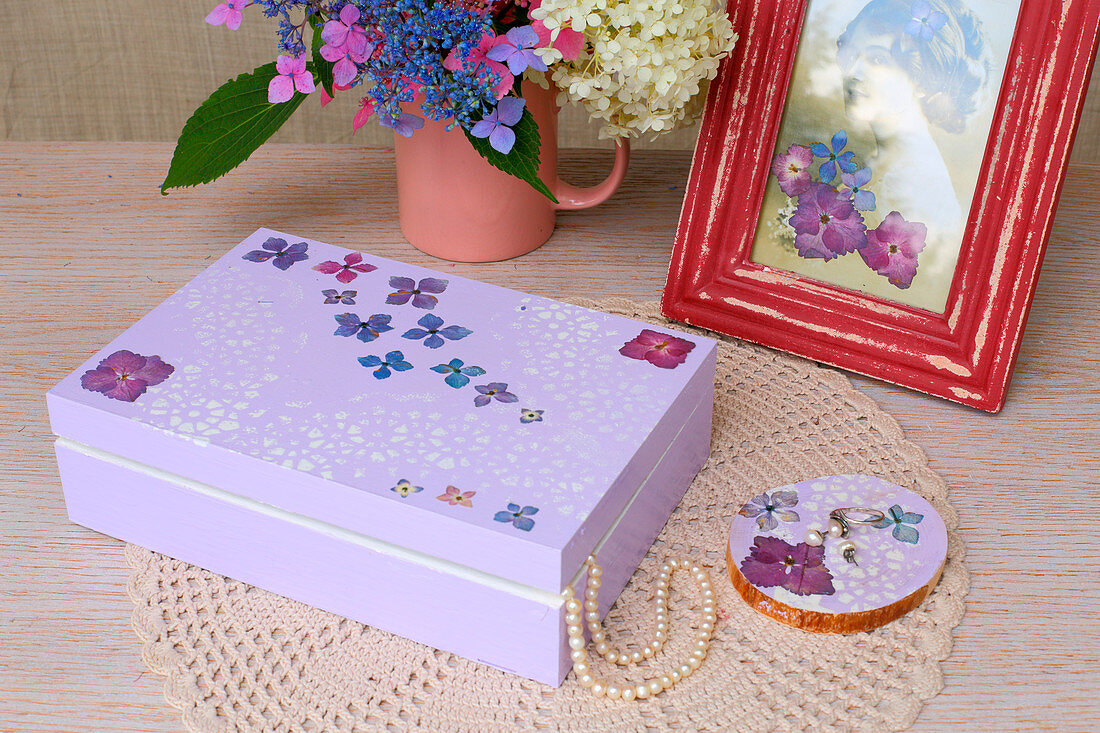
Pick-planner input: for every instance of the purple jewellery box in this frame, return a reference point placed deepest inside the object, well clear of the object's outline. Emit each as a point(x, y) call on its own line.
point(423, 453)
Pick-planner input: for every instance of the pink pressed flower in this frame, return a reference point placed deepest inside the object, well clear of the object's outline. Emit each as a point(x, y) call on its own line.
point(345, 273)
point(344, 34)
point(292, 75)
point(454, 497)
point(792, 170)
point(826, 224)
point(366, 109)
point(892, 248)
point(659, 349)
point(477, 59)
point(229, 13)
point(125, 375)
point(345, 69)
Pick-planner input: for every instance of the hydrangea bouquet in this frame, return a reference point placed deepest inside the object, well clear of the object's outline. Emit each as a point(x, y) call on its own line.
point(635, 64)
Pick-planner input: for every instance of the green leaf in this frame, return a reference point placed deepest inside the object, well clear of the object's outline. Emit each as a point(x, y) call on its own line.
point(523, 159)
point(227, 128)
point(324, 68)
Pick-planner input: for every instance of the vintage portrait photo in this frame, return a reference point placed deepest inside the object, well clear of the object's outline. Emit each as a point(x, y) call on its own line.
point(882, 139)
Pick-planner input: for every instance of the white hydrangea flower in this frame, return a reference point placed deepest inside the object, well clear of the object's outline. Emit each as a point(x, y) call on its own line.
point(644, 62)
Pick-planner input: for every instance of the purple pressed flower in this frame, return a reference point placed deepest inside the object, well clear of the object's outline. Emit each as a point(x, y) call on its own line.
point(434, 333)
point(394, 360)
point(520, 517)
point(766, 507)
point(833, 157)
point(529, 416)
point(125, 375)
point(421, 294)
point(852, 185)
point(284, 255)
point(351, 268)
point(799, 568)
point(924, 21)
point(826, 224)
point(331, 296)
point(516, 48)
point(404, 487)
point(368, 330)
point(497, 124)
point(792, 169)
point(900, 521)
point(405, 124)
point(659, 349)
point(892, 249)
point(493, 390)
point(458, 374)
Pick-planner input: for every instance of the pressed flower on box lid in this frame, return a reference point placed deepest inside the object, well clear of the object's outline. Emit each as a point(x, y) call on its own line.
point(125, 375)
point(661, 350)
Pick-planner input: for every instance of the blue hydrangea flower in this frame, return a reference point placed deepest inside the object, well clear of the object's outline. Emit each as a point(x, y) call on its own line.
point(924, 21)
point(517, 50)
point(458, 375)
point(422, 293)
point(497, 125)
point(834, 157)
point(766, 507)
point(281, 254)
point(519, 517)
point(528, 416)
point(405, 487)
point(853, 184)
point(901, 522)
point(493, 391)
point(345, 298)
point(435, 334)
point(395, 360)
point(368, 330)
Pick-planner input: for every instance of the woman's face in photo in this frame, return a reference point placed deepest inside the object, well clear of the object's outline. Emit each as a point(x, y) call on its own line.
point(876, 90)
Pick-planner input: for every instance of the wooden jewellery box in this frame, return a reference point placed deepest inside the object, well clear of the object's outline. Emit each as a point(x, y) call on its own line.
point(423, 453)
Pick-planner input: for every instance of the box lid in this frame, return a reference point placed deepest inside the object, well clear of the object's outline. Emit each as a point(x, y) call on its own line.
point(502, 431)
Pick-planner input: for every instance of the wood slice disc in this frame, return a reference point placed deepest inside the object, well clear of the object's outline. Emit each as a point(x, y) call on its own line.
point(898, 559)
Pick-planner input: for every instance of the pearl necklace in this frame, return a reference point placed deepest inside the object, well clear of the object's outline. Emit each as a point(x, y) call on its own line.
point(654, 686)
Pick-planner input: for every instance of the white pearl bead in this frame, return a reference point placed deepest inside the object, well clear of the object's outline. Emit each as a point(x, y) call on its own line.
point(577, 655)
point(694, 663)
point(655, 687)
point(591, 616)
point(674, 675)
point(835, 528)
point(572, 606)
point(576, 642)
point(636, 657)
point(572, 618)
point(703, 636)
point(597, 633)
point(591, 559)
point(660, 635)
point(699, 654)
point(706, 626)
point(594, 583)
point(663, 575)
point(623, 659)
point(666, 681)
point(673, 563)
point(614, 692)
point(814, 538)
point(599, 688)
point(701, 645)
point(586, 680)
point(591, 605)
point(595, 571)
point(629, 693)
point(580, 668)
point(603, 647)
point(648, 652)
point(686, 669)
point(592, 594)
point(705, 585)
point(642, 691)
point(574, 630)
point(657, 645)
point(612, 657)
point(710, 617)
point(568, 592)
point(695, 570)
point(661, 593)
point(662, 626)
point(707, 594)
point(666, 568)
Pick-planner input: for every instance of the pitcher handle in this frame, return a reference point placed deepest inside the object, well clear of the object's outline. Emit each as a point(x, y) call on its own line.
point(570, 197)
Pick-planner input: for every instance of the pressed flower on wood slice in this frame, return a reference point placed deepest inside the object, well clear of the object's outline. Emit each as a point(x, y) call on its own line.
point(799, 568)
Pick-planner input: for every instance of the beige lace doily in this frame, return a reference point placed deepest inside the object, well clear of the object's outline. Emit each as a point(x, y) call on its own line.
point(240, 658)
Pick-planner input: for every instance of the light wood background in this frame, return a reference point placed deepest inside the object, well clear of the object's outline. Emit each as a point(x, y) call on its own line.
point(88, 246)
point(136, 69)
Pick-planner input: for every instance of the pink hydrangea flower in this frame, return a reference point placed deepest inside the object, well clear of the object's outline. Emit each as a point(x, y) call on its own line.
point(569, 42)
point(476, 59)
point(125, 375)
point(366, 109)
point(454, 497)
point(345, 273)
point(345, 34)
point(799, 568)
point(826, 224)
point(228, 13)
point(792, 170)
point(292, 75)
point(659, 349)
point(516, 48)
point(892, 248)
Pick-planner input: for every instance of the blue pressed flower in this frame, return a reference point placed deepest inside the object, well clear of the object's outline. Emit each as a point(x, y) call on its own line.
point(528, 416)
point(853, 183)
point(434, 333)
point(458, 374)
point(520, 518)
point(834, 157)
point(924, 21)
point(281, 254)
point(405, 487)
point(901, 522)
point(368, 330)
point(493, 391)
point(766, 507)
point(345, 298)
point(422, 293)
point(394, 360)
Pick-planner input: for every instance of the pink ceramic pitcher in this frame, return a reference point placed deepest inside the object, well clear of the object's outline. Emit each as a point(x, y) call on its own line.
point(456, 206)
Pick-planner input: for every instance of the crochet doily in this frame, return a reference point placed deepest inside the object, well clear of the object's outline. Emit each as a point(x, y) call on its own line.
point(239, 658)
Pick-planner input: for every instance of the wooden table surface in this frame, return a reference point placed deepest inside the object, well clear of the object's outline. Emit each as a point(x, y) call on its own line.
point(88, 246)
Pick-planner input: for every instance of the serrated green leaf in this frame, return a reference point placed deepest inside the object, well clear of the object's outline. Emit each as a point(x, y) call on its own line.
point(324, 68)
point(522, 161)
point(227, 128)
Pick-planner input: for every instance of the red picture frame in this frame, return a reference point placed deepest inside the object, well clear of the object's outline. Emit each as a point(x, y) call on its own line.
point(964, 354)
